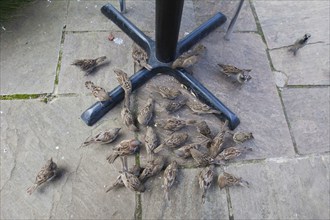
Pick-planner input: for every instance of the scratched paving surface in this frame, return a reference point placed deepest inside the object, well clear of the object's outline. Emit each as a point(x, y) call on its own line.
point(285, 105)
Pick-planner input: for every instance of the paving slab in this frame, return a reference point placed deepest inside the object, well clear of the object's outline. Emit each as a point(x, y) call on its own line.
point(185, 199)
point(30, 46)
point(282, 27)
point(92, 45)
point(31, 133)
point(86, 16)
point(311, 65)
point(245, 21)
point(308, 111)
point(256, 103)
point(280, 188)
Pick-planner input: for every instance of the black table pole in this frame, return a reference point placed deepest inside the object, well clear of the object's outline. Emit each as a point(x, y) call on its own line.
point(162, 53)
point(168, 19)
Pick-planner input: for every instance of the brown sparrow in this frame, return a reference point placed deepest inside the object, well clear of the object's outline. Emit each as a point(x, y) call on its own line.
point(131, 181)
point(140, 57)
point(240, 137)
point(146, 113)
point(218, 141)
point(153, 167)
point(169, 177)
point(175, 140)
point(98, 92)
point(166, 92)
point(173, 124)
point(242, 75)
point(127, 117)
point(174, 105)
point(200, 108)
point(300, 43)
point(184, 151)
point(190, 57)
point(47, 172)
point(205, 179)
point(88, 65)
point(228, 179)
point(103, 137)
point(204, 129)
point(231, 153)
point(203, 159)
point(126, 147)
point(124, 82)
point(135, 170)
point(151, 140)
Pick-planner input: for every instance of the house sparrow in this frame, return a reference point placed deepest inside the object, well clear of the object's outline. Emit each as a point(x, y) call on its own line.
point(175, 140)
point(151, 140)
point(146, 113)
point(166, 92)
point(190, 57)
point(300, 43)
point(135, 170)
point(88, 65)
point(47, 172)
point(228, 179)
point(240, 137)
point(202, 158)
point(184, 151)
point(218, 141)
point(126, 147)
point(204, 129)
point(173, 124)
point(205, 179)
point(169, 177)
point(98, 92)
point(140, 57)
point(242, 75)
point(187, 62)
point(103, 137)
point(127, 118)
point(200, 108)
point(152, 168)
point(231, 153)
point(174, 105)
point(124, 81)
point(131, 181)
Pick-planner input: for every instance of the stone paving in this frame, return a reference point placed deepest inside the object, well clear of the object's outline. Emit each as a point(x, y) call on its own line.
point(285, 105)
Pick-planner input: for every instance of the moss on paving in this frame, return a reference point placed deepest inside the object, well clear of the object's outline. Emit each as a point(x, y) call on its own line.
point(19, 96)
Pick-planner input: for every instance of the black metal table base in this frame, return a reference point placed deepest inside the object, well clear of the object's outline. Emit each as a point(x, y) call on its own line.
point(162, 53)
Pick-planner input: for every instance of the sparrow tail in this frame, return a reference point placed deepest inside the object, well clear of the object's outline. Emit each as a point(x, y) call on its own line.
point(31, 189)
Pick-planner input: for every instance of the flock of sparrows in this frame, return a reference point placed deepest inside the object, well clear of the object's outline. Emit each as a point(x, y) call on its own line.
point(208, 153)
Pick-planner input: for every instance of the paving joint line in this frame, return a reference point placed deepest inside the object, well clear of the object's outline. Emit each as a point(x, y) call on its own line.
point(306, 86)
point(259, 28)
point(59, 62)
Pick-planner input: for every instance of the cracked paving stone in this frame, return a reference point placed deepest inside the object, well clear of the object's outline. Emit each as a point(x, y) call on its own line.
point(30, 47)
point(308, 111)
point(32, 132)
point(283, 22)
point(205, 9)
point(185, 199)
point(293, 188)
point(311, 65)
